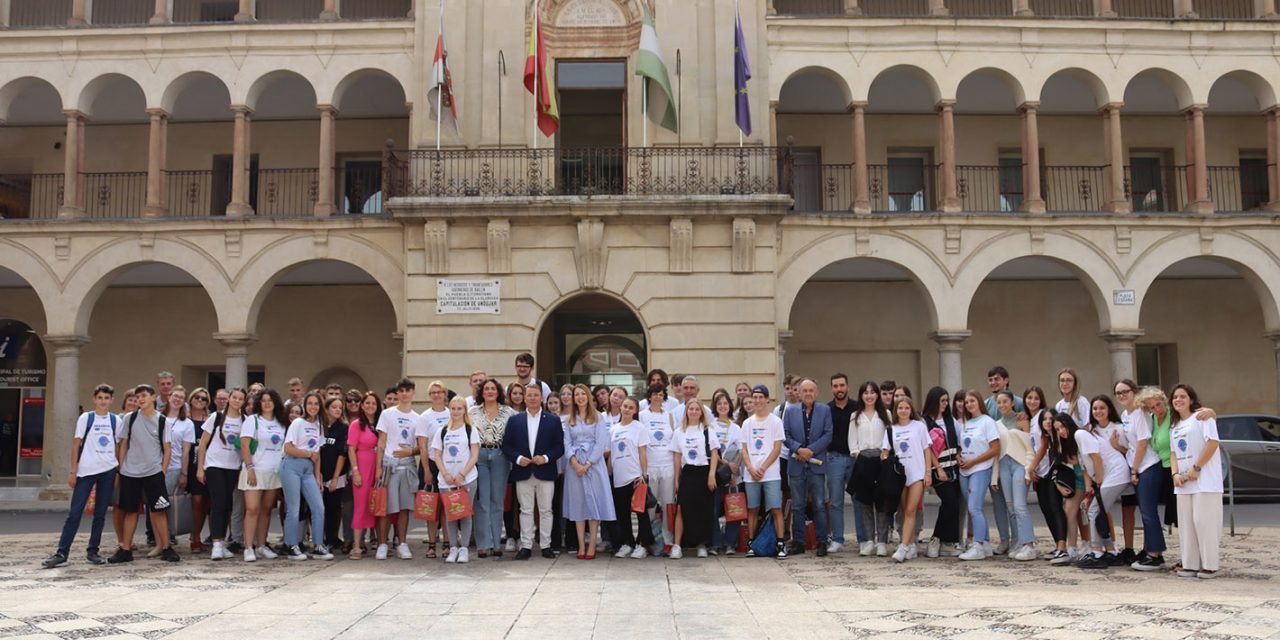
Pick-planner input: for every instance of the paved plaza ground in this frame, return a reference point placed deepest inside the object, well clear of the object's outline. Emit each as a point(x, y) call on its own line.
point(841, 596)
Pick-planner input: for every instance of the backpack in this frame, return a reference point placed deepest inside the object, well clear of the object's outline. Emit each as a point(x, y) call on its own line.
point(766, 543)
point(133, 417)
point(89, 424)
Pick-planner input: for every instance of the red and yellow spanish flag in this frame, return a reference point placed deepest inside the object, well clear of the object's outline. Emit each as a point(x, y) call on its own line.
point(538, 80)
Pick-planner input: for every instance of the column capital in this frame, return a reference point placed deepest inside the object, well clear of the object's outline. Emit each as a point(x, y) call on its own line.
point(158, 112)
point(856, 105)
point(1111, 106)
point(75, 114)
point(233, 341)
point(1274, 337)
point(1029, 105)
point(327, 108)
point(1196, 109)
point(66, 344)
point(945, 104)
point(240, 109)
point(1120, 338)
point(950, 340)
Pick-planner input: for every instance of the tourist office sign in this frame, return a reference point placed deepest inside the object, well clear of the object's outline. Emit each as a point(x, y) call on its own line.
point(22, 358)
point(469, 296)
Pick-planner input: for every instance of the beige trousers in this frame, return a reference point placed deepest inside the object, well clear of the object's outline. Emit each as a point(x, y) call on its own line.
point(1200, 529)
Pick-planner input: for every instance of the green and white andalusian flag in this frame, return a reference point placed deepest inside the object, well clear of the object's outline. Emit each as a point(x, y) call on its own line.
point(662, 104)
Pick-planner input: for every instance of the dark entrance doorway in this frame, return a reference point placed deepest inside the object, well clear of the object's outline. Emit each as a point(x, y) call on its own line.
point(593, 339)
point(23, 376)
point(593, 106)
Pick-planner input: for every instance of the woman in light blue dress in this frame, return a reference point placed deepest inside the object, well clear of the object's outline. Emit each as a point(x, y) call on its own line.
point(588, 497)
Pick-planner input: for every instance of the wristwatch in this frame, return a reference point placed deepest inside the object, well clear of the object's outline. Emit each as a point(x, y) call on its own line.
point(1197, 468)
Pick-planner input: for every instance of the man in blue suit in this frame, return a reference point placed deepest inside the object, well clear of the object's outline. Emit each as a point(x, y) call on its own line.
point(533, 442)
point(807, 427)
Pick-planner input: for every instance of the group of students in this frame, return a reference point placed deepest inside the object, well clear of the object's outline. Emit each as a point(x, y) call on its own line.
point(593, 456)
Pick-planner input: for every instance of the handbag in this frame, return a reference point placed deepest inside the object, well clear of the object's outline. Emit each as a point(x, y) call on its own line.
point(735, 506)
point(92, 502)
point(457, 504)
point(639, 497)
point(724, 475)
point(425, 505)
point(180, 515)
point(766, 543)
point(378, 502)
point(1064, 480)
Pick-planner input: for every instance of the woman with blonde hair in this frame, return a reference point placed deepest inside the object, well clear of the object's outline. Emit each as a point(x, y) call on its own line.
point(588, 498)
point(455, 449)
point(696, 452)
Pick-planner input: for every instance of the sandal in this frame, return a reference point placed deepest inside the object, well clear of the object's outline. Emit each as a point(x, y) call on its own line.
point(356, 553)
point(483, 553)
point(431, 550)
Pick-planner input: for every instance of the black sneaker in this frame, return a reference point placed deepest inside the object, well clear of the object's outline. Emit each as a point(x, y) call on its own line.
point(782, 550)
point(54, 561)
point(234, 547)
point(796, 549)
point(294, 552)
point(93, 558)
point(120, 556)
point(1148, 563)
point(1092, 561)
point(821, 551)
point(151, 541)
point(1127, 557)
point(169, 555)
point(1113, 560)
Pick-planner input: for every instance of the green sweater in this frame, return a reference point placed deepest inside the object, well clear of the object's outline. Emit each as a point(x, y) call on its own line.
point(1160, 437)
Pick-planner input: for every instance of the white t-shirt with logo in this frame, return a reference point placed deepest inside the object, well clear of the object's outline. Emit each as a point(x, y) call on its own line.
point(99, 453)
point(1137, 426)
point(401, 428)
point(1089, 444)
point(223, 450)
point(975, 440)
point(304, 435)
point(454, 450)
point(269, 436)
point(1187, 441)
point(661, 434)
point(624, 451)
point(432, 422)
point(757, 438)
point(693, 445)
point(1037, 435)
point(909, 443)
point(178, 432)
point(1115, 469)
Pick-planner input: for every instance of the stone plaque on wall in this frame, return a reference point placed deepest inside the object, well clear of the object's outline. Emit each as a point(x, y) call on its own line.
point(591, 13)
point(468, 296)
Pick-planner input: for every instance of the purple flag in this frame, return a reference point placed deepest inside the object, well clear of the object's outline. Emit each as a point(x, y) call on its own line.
point(741, 74)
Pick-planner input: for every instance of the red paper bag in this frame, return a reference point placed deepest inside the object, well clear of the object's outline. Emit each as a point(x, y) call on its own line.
point(810, 536)
point(744, 539)
point(639, 496)
point(508, 501)
point(457, 504)
point(735, 506)
point(425, 504)
point(378, 502)
point(93, 501)
point(671, 518)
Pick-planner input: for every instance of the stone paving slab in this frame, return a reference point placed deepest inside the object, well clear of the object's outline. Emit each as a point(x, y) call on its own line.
point(804, 597)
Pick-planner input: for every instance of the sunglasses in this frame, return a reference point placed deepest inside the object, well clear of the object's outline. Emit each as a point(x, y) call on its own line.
point(199, 398)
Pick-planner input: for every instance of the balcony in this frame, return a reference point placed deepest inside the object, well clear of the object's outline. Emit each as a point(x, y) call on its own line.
point(1132, 9)
point(116, 13)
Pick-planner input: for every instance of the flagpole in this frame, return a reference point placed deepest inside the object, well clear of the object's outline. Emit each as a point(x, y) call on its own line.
point(737, 16)
point(644, 99)
point(438, 80)
point(537, 62)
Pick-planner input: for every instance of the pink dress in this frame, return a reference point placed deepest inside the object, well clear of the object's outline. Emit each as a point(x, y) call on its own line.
point(365, 441)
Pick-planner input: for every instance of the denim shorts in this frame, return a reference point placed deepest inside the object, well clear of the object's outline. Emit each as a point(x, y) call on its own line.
point(772, 490)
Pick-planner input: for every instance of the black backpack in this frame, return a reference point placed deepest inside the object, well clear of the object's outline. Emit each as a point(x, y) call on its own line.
point(133, 417)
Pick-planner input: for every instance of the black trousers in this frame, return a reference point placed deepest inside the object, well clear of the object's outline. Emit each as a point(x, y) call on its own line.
point(622, 534)
point(332, 518)
point(947, 527)
point(1051, 506)
point(222, 489)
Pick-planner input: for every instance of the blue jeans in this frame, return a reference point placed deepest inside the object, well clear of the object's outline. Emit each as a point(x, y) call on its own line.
point(297, 476)
point(839, 469)
point(975, 492)
point(1001, 509)
point(805, 486)
point(1150, 488)
point(105, 483)
point(491, 491)
point(1013, 484)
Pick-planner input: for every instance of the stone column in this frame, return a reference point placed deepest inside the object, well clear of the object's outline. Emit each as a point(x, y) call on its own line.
point(330, 10)
point(783, 338)
point(950, 369)
point(1023, 8)
point(946, 113)
point(1267, 10)
point(248, 11)
point(770, 9)
point(1273, 177)
point(1120, 343)
point(79, 13)
point(325, 198)
point(1189, 152)
point(62, 412)
point(235, 347)
point(1185, 9)
point(1115, 158)
point(938, 8)
point(240, 164)
point(157, 196)
point(851, 8)
point(1032, 202)
point(1105, 10)
point(773, 123)
point(73, 167)
point(1275, 342)
point(861, 179)
point(161, 15)
point(1200, 203)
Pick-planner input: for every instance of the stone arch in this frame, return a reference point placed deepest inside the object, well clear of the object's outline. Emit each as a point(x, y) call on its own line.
point(261, 272)
point(1012, 83)
point(1182, 93)
point(1258, 266)
point(174, 89)
point(265, 80)
point(37, 274)
point(337, 96)
point(348, 378)
point(88, 94)
point(1101, 92)
point(16, 87)
point(899, 250)
point(835, 82)
point(1095, 270)
point(926, 77)
point(1262, 89)
point(92, 275)
point(549, 311)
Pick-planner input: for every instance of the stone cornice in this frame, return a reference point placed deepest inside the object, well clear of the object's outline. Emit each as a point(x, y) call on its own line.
point(551, 207)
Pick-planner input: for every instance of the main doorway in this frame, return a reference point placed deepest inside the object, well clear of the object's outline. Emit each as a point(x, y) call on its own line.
point(593, 339)
point(23, 375)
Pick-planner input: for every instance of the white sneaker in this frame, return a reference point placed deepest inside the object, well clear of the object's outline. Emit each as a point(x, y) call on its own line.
point(900, 554)
point(452, 557)
point(867, 548)
point(934, 549)
point(702, 551)
point(218, 549)
point(954, 550)
point(834, 547)
point(987, 550)
point(1025, 553)
point(403, 552)
point(249, 555)
point(623, 551)
point(463, 556)
point(639, 552)
point(266, 553)
point(676, 553)
point(894, 537)
point(1002, 548)
point(382, 552)
point(882, 549)
point(511, 545)
point(974, 553)
point(913, 551)
point(321, 552)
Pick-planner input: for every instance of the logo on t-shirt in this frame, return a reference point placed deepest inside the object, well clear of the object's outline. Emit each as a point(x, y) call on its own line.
point(657, 435)
point(693, 454)
point(904, 446)
point(404, 434)
point(275, 438)
point(967, 441)
point(759, 444)
point(453, 451)
point(103, 441)
point(1182, 445)
point(622, 446)
point(312, 442)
